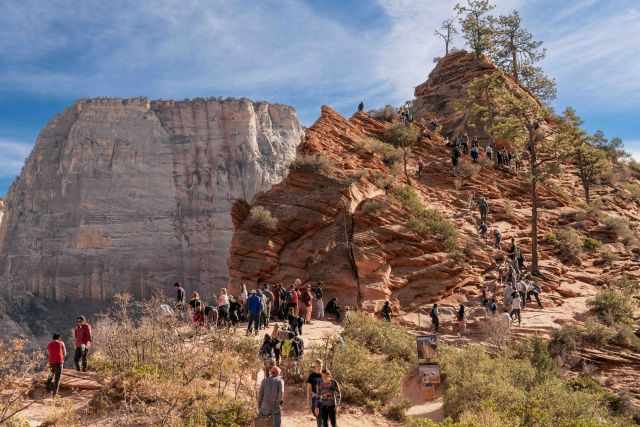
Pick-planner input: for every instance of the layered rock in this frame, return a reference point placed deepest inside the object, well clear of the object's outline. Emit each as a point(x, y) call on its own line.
point(132, 195)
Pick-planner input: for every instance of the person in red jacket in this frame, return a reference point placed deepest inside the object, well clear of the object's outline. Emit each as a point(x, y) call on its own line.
point(82, 333)
point(57, 352)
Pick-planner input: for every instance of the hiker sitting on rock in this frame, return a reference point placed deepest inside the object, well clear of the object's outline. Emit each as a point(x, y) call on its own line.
point(334, 309)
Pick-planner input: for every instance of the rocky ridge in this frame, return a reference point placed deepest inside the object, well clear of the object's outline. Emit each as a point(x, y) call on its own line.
point(131, 194)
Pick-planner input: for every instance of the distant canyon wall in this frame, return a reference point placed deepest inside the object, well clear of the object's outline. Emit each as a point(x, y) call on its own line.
point(132, 195)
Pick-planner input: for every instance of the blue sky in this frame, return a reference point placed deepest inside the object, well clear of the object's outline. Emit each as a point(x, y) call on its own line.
point(304, 53)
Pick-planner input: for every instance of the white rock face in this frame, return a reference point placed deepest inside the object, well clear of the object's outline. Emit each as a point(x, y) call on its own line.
point(132, 195)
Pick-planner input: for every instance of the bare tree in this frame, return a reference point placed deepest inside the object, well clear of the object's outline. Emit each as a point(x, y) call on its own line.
point(446, 32)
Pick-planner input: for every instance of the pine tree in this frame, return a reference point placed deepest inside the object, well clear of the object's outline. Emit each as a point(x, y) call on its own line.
point(446, 32)
point(614, 148)
point(590, 160)
point(475, 24)
point(515, 51)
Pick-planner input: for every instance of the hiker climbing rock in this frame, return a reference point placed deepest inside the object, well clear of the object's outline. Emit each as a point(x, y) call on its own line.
point(435, 318)
point(483, 206)
point(271, 397)
point(82, 335)
point(483, 230)
point(497, 235)
point(461, 318)
point(534, 289)
point(386, 311)
point(56, 353)
point(361, 107)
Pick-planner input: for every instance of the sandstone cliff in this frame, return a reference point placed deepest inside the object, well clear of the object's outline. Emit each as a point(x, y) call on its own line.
point(342, 225)
point(131, 195)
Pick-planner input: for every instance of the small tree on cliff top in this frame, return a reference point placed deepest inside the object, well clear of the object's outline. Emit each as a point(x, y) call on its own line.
point(446, 32)
point(476, 25)
point(403, 137)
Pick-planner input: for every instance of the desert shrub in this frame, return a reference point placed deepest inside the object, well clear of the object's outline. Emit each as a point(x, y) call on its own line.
point(380, 337)
point(626, 337)
point(633, 188)
point(62, 415)
point(317, 163)
point(372, 206)
point(428, 222)
point(550, 237)
point(397, 410)
point(152, 357)
point(564, 341)
point(16, 367)
point(569, 244)
point(387, 152)
point(468, 169)
point(620, 227)
point(384, 182)
point(597, 333)
point(590, 244)
point(261, 217)
point(612, 306)
point(507, 390)
point(608, 257)
point(508, 209)
point(362, 378)
point(387, 114)
point(17, 421)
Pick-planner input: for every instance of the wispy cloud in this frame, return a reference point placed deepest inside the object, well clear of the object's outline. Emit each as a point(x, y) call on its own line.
point(12, 156)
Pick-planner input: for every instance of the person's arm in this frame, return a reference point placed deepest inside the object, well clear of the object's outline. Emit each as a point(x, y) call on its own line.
point(280, 399)
point(261, 394)
point(338, 394)
point(89, 335)
point(64, 351)
point(308, 391)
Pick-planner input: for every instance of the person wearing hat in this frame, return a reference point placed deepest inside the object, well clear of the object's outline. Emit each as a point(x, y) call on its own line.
point(82, 334)
point(271, 396)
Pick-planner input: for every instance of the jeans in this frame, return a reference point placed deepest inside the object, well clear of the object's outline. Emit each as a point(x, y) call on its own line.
point(81, 356)
point(328, 413)
point(53, 381)
point(314, 405)
point(254, 319)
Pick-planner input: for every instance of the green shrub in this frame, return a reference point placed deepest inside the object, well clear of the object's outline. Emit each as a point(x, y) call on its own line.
point(596, 333)
point(590, 244)
point(317, 163)
point(626, 337)
point(608, 257)
point(620, 227)
point(612, 306)
point(427, 222)
point(372, 206)
point(564, 341)
point(381, 337)
point(261, 217)
point(397, 410)
point(633, 188)
point(363, 379)
point(550, 237)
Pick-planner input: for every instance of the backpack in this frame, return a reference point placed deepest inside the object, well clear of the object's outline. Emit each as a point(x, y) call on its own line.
point(287, 347)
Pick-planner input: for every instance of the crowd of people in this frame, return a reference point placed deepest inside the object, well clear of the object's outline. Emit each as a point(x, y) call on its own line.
point(462, 145)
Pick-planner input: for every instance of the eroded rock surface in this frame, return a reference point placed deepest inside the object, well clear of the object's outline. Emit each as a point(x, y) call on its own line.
point(131, 194)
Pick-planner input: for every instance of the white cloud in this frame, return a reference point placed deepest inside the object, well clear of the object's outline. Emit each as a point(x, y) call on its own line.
point(12, 156)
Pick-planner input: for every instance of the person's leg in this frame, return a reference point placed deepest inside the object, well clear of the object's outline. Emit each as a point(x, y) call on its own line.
point(249, 323)
point(324, 414)
point(57, 371)
point(277, 420)
point(76, 358)
point(538, 299)
point(50, 378)
point(332, 415)
point(85, 354)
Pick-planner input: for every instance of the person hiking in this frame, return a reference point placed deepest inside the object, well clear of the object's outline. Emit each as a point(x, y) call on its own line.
point(521, 287)
point(82, 335)
point(194, 302)
point(361, 107)
point(533, 289)
point(329, 398)
point(420, 169)
point(198, 316)
point(306, 300)
point(333, 308)
point(295, 322)
point(234, 311)
point(489, 151)
point(483, 207)
point(268, 353)
point(313, 380)
point(386, 311)
point(455, 156)
point(267, 299)
point(294, 299)
point(211, 316)
point(223, 300)
point(180, 295)
point(497, 235)
point(435, 317)
point(513, 249)
point(460, 317)
point(254, 304)
point(474, 154)
point(242, 299)
point(493, 307)
point(56, 353)
point(271, 397)
point(483, 230)
point(515, 306)
point(319, 303)
point(275, 308)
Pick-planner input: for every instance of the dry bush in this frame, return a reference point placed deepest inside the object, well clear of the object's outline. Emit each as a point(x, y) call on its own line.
point(171, 373)
point(380, 337)
point(310, 163)
point(508, 209)
point(569, 244)
point(468, 169)
point(590, 244)
point(597, 333)
point(389, 154)
point(260, 217)
point(633, 190)
point(621, 228)
point(63, 415)
point(387, 114)
point(372, 206)
point(612, 306)
point(608, 257)
point(16, 368)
